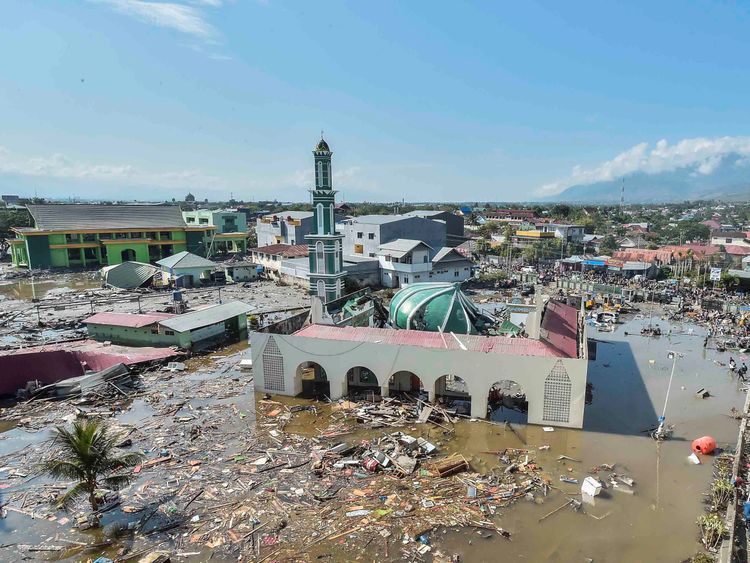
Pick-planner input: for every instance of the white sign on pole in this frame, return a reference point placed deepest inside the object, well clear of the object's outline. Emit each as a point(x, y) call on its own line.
point(715, 274)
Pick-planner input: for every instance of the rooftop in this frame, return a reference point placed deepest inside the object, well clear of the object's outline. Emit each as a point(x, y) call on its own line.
point(129, 320)
point(486, 344)
point(400, 247)
point(208, 316)
point(185, 259)
point(62, 217)
point(285, 250)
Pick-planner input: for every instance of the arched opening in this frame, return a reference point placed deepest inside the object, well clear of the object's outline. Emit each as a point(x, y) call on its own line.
point(506, 402)
point(361, 383)
point(320, 258)
point(315, 383)
point(337, 256)
point(406, 383)
point(128, 255)
point(452, 391)
point(321, 289)
point(321, 219)
point(319, 174)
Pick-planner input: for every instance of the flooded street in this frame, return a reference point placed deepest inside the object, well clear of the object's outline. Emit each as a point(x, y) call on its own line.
point(629, 377)
point(657, 523)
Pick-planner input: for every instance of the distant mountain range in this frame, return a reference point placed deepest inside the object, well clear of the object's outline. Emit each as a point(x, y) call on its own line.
point(730, 181)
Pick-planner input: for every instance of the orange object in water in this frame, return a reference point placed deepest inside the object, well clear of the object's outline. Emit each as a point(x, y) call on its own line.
point(704, 445)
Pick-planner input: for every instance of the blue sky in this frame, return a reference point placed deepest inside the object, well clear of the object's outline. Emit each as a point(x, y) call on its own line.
point(419, 100)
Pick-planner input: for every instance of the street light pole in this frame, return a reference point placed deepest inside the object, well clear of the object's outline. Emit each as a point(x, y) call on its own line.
point(661, 432)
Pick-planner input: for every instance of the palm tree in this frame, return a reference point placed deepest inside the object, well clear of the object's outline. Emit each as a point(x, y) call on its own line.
point(87, 456)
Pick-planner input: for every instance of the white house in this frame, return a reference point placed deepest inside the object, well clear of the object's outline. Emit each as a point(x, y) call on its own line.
point(404, 261)
point(450, 265)
point(192, 268)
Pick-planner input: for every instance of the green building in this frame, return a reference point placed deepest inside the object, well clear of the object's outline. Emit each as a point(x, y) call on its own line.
point(72, 235)
point(231, 228)
point(215, 324)
point(324, 243)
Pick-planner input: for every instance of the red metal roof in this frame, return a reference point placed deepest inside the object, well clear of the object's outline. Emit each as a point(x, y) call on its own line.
point(560, 327)
point(130, 320)
point(285, 250)
point(737, 250)
point(422, 339)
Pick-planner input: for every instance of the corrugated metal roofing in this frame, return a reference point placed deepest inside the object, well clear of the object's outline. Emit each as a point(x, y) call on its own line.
point(130, 320)
point(400, 247)
point(102, 217)
point(128, 275)
point(185, 259)
point(286, 250)
point(448, 254)
point(560, 327)
point(487, 344)
point(208, 316)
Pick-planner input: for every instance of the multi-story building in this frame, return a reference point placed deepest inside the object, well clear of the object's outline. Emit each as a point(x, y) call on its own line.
point(71, 236)
point(511, 215)
point(287, 227)
point(404, 261)
point(364, 235)
point(568, 233)
point(454, 224)
point(230, 234)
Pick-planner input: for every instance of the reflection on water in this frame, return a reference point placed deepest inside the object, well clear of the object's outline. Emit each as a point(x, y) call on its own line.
point(28, 289)
point(630, 376)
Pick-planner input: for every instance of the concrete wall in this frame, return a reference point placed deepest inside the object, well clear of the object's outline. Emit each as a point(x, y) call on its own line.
point(431, 232)
point(282, 354)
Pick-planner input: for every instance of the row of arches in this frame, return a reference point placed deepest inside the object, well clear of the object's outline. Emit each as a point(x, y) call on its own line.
point(506, 399)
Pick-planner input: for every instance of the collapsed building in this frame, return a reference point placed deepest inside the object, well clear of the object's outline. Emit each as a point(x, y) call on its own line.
point(446, 349)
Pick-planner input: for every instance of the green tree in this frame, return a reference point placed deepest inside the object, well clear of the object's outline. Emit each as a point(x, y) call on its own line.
point(609, 245)
point(87, 455)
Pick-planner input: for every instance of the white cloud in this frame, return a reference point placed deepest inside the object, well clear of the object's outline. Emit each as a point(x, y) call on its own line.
point(60, 166)
point(701, 155)
point(184, 18)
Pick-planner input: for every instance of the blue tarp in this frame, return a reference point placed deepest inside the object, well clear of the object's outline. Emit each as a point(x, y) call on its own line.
point(594, 262)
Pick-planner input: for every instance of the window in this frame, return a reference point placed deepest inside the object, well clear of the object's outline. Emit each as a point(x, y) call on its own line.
point(426, 259)
point(203, 221)
point(165, 235)
point(121, 235)
point(321, 289)
point(71, 238)
point(406, 279)
point(371, 236)
point(455, 273)
point(320, 258)
point(359, 249)
point(337, 256)
point(359, 235)
point(105, 236)
point(319, 174)
point(151, 235)
point(136, 235)
point(169, 332)
point(89, 237)
point(371, 255)
point(319, 213)
point(190, 219)
point(74, 254)
point(728, 240)
point(416, 277)
point(90, 253)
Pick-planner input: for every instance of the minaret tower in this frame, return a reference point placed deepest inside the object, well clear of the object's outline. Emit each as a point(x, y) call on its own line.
point(324, 243)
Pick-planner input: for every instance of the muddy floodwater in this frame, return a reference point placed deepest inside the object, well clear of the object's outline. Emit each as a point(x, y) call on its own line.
point(657, 523)
point(27, 289)
point(629, 377)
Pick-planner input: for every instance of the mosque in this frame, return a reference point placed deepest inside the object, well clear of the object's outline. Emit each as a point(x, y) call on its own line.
point(435, 341)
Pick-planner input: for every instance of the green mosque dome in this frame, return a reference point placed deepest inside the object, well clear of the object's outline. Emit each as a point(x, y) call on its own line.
point(436, 307)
